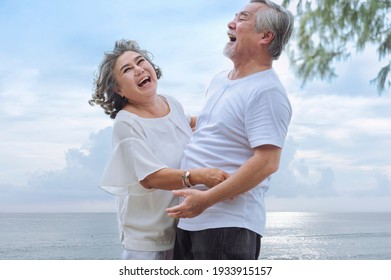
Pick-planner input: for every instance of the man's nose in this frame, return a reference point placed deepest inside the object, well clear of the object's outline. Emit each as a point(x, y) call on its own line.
point(232, 24)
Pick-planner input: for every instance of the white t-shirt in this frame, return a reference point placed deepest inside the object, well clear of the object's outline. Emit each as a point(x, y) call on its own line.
point(142, 146)
point(239, 115)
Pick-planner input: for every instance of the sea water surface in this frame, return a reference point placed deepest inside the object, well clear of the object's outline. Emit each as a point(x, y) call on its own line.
point(288, 236)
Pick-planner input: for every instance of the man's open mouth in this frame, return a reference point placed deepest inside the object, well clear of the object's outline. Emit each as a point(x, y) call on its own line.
point(232, 38)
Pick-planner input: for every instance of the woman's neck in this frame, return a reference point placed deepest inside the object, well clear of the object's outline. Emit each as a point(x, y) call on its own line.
point(156, 108)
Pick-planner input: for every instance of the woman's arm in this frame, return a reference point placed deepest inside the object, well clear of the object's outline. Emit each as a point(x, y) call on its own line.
point(171, 179)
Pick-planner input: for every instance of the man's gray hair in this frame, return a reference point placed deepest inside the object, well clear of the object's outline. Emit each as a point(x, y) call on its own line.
point(277, 20)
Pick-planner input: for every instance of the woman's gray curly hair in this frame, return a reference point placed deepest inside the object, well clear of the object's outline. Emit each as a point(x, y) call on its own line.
point(105, 85)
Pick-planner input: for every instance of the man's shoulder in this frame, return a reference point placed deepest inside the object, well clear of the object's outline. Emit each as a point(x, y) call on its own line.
point(223, 75)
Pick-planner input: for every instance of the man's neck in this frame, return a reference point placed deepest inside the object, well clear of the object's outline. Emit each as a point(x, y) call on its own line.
point(241, 72)
point(242, 69)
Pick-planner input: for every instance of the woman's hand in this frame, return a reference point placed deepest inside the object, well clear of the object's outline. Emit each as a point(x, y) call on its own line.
point(209, 177)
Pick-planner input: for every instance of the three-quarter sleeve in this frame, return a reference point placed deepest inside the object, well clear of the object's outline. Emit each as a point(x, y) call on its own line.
point(131, 161)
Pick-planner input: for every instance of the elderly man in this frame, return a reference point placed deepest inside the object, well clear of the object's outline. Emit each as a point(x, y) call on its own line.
point(241, 130)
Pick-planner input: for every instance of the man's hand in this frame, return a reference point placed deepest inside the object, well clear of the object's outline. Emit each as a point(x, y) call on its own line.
point(195, 203)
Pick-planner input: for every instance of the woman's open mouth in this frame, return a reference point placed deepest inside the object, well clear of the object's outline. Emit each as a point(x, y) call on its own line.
point(144, 81)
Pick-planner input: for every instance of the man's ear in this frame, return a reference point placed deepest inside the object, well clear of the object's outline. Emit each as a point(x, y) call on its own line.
point(266, 37)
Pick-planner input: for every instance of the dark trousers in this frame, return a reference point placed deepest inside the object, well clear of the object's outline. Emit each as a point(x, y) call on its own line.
point(217, 244)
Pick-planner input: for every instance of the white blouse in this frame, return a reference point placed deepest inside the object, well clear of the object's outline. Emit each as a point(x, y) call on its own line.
point(142, 146)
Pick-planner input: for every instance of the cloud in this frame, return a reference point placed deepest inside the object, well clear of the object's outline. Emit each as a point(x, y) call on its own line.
point(76, 183)
point(18, 97)
point(318, 162)
point(82, 171)
point(329, 204)
point(295, 178)
point(337, 150)
point(319, 172)
point(333, 148)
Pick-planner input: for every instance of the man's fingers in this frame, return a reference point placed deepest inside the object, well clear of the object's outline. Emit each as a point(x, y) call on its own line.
point(173, 209)
point(174, 216)
point(179, 193)
point(175, 213)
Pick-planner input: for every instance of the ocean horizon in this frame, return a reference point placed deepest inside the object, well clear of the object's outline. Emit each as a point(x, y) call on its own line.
point(288, 236)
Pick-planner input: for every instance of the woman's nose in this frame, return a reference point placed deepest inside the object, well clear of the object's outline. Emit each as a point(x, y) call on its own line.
point(138, 70)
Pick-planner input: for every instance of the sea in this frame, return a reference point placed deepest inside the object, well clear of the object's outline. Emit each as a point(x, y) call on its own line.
point(288, 236)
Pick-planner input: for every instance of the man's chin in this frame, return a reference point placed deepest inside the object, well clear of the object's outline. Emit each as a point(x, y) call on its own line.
point(228, 51)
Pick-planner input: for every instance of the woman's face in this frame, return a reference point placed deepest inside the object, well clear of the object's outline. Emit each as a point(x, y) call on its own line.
point(136, 78)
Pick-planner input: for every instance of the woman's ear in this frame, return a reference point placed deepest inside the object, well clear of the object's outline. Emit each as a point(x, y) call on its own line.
point(117, 90)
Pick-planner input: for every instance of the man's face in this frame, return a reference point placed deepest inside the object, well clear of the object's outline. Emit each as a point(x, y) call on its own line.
point(241, 32)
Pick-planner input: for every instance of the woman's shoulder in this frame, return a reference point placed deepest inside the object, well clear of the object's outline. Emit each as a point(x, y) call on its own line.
point(126, 121)
point(173, 103)
point(171, 100)
point(124, 118)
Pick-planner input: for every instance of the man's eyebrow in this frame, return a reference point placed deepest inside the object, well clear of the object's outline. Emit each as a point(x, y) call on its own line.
point(243, 13)
point(127, 64)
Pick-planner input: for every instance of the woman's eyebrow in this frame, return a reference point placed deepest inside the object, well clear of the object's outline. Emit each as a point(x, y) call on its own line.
point(127, 64)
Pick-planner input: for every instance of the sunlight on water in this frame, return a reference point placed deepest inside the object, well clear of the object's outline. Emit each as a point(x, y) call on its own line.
point(289, 235)
point(300, 235)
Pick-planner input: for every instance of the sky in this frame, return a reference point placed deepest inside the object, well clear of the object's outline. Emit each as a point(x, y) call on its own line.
point(54, 145)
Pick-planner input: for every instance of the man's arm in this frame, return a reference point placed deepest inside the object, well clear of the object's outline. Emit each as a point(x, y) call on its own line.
point(262, 164)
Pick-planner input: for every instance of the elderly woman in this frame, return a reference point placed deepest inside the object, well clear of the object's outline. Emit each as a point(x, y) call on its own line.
point(150, 132)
